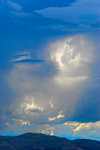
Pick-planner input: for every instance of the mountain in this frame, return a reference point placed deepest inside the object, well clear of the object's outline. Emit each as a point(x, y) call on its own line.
point(35, 141)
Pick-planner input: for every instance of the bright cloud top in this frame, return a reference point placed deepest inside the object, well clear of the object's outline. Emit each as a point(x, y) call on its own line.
point(59, 116)
point(72, 58)
point(71, 53)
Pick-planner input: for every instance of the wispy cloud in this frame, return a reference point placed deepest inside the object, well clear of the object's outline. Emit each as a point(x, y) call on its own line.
point(21, 58)
point(22, 122)
point(75, 13)
point(25, 57)
point(15, 9)
point(15, 6)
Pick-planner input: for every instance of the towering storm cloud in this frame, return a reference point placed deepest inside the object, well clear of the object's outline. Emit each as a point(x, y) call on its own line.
point(49, 67)
point(54, 97)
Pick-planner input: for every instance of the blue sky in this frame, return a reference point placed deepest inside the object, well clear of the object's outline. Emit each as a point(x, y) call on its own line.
point(49, 67)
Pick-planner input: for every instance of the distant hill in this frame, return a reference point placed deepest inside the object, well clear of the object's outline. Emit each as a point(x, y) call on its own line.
point(35, 141)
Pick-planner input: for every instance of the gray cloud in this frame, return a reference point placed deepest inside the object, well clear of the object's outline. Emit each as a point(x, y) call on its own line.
point(49, 72)
point(55, 98)
point(38, 97)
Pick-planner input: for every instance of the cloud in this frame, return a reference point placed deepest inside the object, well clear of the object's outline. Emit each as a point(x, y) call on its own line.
point(25, 57)
point(59, 116)
point(75, 13)
point(15, 9)
point(78, 60)
point(84, 130)
point(71, 124)
point(7, 124)
point(69, 81)
point(15, 6)
point(20, 13)
point(22, 122)
point(87, 127)
point(39, 4)
point(70, 129)
point(46, 129)
point(72, 60)
point(21, 58)
point(73, 130)
point(25, 60)
point(29, 108)
point(68, 52)
point(58, 68)
point(51, 103)
point(52, 98)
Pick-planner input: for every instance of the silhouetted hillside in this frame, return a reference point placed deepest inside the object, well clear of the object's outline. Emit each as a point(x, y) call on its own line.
point(32, 141)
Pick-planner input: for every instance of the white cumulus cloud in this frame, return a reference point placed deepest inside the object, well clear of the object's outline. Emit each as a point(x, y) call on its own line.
point(59, 116)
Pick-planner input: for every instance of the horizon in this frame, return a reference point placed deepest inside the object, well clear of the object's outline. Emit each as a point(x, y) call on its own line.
point(49, 68)
point(71, 139)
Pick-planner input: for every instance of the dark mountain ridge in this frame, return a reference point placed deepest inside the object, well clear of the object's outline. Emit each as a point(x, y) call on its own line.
point(36, 141)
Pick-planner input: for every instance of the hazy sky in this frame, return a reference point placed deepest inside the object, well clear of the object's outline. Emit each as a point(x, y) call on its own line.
point(49, 67)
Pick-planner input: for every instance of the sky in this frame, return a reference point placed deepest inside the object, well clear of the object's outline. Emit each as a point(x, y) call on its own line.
point(49, 67)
